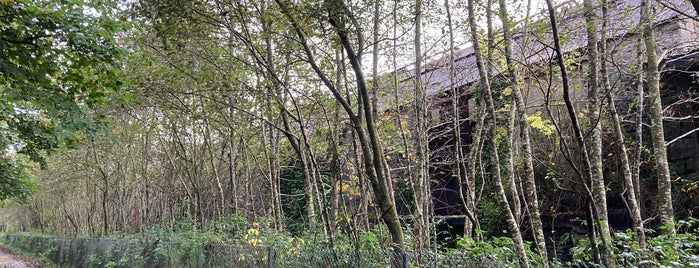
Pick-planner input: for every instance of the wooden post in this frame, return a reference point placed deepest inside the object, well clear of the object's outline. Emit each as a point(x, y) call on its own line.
point(270, 257)
point(406, 260)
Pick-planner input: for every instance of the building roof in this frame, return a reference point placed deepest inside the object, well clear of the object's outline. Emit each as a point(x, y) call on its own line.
point(536, 45)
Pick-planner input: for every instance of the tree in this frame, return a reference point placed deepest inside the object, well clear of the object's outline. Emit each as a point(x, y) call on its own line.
point(631, 191)
point(585, 175)
point(484, 85)
point(363, 122)
point(420, 181)
point(593, 109)
point(656, 114)
point(530, 190)
point(56, 61)
point(466, 183)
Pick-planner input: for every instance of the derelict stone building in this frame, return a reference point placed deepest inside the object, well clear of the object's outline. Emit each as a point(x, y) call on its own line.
point(677, 36)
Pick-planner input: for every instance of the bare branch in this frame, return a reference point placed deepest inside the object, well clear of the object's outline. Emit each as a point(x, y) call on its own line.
point(681, 136)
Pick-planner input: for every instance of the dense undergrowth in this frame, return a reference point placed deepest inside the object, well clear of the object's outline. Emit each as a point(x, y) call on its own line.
point(661, 250)
point(237, 242)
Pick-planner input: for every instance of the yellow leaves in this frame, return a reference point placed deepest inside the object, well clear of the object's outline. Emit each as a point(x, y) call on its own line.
point(542, 125)
point(692, 187)
point(294, 245)
point(254, 242)
point(507, 91)
point(44, 120)
point(7, 2)
point(253, 231)
point(252, 237)
point(11, 117)
point(345, 186)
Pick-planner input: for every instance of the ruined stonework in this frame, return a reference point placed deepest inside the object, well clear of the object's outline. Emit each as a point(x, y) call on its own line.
point(678, 45)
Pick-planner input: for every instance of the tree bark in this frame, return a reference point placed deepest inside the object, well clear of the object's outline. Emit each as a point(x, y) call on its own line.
point(496, 173)
point(593, 109)
point(420, 184)
point(657, 131)
point(631, 194)
point(513, 178)
point(640, 97)
point(530, 190)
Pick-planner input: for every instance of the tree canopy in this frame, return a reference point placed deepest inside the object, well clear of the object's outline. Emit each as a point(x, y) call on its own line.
point(56, 59)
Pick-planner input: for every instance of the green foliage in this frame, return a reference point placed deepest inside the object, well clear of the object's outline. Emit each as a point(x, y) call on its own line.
point(247, 243)
point(56, 60)
point(496, 252)
point(660, 251)
point(492, 216)
point(293, 199)
point(14, 182)
point(242, 243)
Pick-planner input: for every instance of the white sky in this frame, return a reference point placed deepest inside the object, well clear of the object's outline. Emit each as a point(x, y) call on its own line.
point(435, 33)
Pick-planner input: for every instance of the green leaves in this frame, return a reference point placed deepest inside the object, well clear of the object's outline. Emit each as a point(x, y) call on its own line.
point(14, 182)
point(56, 61)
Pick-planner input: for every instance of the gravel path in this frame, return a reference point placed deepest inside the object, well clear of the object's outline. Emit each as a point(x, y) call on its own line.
point(10, 260)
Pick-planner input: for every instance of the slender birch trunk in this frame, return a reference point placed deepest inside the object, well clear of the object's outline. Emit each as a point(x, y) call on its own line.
point(640, 97)
point(656, 115)
point(513, 180)
point(421, 178)
point(496, 173)
point(634, 209)
point(593, 109)
point(530, 190)
point(459, 165)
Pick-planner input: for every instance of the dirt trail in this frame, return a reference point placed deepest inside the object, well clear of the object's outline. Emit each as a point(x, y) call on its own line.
point(10, 260)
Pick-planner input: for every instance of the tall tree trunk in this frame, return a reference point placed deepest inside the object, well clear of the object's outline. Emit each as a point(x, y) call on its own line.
point(466, 184)
point(656, 115)
point(420, 190)
point(513, 178)
point(104, 177)
point(584, 175)
point(367, 134)
point(496, 173)
point(634, 209)
point(593, 109)
point(530, 190)
point(640, 97)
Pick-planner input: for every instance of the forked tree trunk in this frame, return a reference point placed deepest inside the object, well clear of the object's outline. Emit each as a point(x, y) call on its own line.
point(593, 109)
point(585, 175)
point(496, 173)
point(634, 209)
point(530, 188)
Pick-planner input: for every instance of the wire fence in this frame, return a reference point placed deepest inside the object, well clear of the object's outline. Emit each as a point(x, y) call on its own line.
point(101, 252)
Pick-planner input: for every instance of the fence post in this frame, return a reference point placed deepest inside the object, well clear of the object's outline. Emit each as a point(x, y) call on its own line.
point(406, 260)
point(270, 257)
